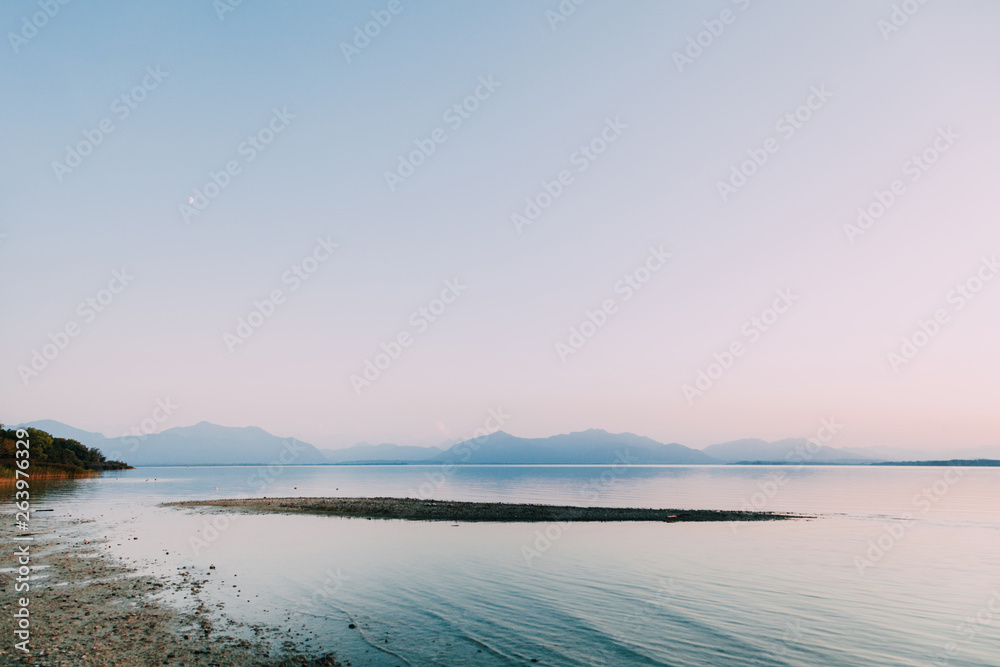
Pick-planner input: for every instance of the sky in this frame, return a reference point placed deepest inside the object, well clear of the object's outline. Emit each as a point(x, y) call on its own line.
point(381, 221)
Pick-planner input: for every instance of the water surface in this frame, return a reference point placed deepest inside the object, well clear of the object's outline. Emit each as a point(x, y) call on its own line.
point(903, 567)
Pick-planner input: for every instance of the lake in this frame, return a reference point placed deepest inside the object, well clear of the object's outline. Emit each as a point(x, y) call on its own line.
point(901, 566)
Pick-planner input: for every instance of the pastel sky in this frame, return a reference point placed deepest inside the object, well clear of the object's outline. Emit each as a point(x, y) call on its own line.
point(308, 129)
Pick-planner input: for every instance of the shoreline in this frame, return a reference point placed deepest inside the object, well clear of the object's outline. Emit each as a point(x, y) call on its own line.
point(412, 509)
point(11, 481)
point(87, 608)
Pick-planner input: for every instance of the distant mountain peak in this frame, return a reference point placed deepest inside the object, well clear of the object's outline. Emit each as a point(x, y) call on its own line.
point(61, 430)
point(593, 446)
point(205, 427)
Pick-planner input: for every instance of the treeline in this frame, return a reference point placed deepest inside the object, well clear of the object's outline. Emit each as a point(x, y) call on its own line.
point(52, 457)
point(964, 463)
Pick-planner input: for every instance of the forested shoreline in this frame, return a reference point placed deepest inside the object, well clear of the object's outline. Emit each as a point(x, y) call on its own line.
point(50, 457)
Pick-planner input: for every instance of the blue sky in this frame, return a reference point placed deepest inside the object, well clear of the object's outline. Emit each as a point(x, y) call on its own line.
point(891, 95)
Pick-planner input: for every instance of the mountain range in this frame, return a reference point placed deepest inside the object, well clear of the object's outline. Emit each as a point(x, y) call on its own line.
point(586, 447)
point(201, 444)
point(210, 444)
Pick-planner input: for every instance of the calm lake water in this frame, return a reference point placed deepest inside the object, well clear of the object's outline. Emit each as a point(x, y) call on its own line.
point(901, 568)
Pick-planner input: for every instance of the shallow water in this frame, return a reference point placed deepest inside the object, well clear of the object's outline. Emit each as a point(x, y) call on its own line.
point(884, 576)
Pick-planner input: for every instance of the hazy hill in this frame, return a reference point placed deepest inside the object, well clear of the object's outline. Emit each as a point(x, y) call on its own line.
point(792, 450)
point(594, 447)
point(201, 444)
point(367, 453)
point(60, 430)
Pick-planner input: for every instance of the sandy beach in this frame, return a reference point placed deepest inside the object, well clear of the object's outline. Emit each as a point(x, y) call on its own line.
point(87, 608)
point(440, 510)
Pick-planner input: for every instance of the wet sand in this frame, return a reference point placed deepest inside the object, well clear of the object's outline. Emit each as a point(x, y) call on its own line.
point(87, 608)
point(440, 510)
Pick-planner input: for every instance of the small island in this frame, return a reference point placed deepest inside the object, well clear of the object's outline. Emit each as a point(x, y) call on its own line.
point(413, 509)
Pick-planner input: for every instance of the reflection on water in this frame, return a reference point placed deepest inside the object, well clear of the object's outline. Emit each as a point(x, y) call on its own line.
point(40, 488)
point(888, 576)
